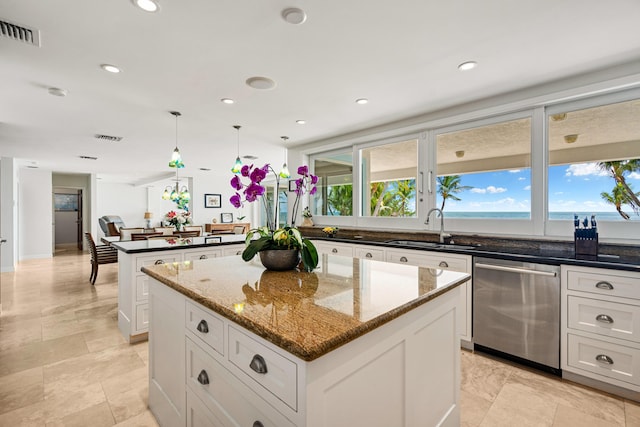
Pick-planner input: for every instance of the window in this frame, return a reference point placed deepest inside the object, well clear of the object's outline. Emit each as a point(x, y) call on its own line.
point(485, 171)
point(334, 196)
point(594, 162)
point(389, 179)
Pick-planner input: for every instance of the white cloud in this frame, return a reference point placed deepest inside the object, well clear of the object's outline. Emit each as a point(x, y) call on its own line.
point(478, 190)
point(634, 175)
point(515, 171)
point(490, 189)
point(522, 178)
point(558, 193)
point(527, 188)
point(584, 169)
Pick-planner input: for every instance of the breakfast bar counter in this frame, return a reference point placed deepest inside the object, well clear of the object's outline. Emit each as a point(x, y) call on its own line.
point(356, 342)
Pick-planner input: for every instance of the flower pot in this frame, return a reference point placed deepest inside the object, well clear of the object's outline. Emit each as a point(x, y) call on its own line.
point(280, 260)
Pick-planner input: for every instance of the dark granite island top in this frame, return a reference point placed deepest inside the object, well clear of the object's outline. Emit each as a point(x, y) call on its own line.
point(307, 314)
point(155, 245)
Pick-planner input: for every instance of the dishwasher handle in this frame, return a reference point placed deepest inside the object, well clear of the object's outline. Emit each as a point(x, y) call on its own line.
point(516, 270)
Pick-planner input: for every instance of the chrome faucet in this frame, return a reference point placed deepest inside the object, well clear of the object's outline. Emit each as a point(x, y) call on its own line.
point(443, 235)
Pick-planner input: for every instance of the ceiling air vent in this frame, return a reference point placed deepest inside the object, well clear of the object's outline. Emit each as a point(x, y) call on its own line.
point(108, 138)
point(20, 33)
point(88, 157)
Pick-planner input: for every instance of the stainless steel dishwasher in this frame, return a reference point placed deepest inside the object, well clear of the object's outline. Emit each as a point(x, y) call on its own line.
point(516, 311)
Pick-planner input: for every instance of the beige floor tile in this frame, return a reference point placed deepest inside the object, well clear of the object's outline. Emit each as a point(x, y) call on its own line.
point(483, 376)
point(517, 405)
point(145, 419)
point(95, 416)
point(16, 334)
point(129, 403)
point(571, 417)
point(102, 338)
point(21, 389)
point(632, 414)
point(474, 409)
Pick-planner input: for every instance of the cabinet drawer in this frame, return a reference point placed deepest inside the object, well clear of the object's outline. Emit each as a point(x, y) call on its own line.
point(198, 415)
point(604, 358)
point(142, 288)
point(406, 257)
point(205, 254)
point(142, 317)
point(369, 253)
point(206, 326)
point(227, 399)
point(604, 318)
point(159, 259)
point(324, 247)
point(233, 250)
point(280, 377)
point(604, 282)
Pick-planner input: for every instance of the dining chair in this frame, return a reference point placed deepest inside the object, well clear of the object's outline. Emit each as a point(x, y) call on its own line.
point(100, 254)
point(197, 228)
point(144, 236)
point(238, 229)
point(112, 229)
point(167, 231)
point(125, 232)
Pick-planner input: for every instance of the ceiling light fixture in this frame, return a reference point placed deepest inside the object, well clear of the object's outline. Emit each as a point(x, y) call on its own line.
point(147, 5)
point(294, 15)
point(227, 101)
point(570, 139)
point(237, 167)
point(260, 83)
point(110, 68)
point(460, 153)
point(362, 101)
point(301, 122)
point(56, 91)
point(180, 196)
point(284, 172)
point(468, 65)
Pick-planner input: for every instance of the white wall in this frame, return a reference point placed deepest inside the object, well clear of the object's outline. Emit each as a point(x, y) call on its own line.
point(9, 214)
point(35, 211)
point(124, 200)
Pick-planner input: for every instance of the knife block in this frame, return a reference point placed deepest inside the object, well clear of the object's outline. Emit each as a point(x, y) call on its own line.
point(586, 244)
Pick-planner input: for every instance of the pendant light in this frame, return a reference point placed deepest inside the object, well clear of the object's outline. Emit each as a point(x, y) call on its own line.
point(238, 166)
point(284, 172)
point(176, 158)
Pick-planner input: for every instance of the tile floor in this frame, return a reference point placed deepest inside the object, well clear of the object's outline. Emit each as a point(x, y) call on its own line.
point(63, 362)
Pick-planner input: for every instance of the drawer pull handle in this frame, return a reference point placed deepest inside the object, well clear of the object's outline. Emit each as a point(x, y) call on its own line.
point(443, 264)
point(603, 358)
point(204, 257)
point(258, 364)
point(368, 255)
point(403, 259)
point(604, 285)
point(158, 262)
point(203, 326)
point(604, 318)
point(334, 251)
point(258, 424)
point(203, 378)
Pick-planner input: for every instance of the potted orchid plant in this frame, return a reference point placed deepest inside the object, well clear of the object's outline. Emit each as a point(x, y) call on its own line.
point(265, 240)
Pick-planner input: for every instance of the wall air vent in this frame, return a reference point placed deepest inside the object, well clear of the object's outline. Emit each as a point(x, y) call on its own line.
point(88, 157)
point(108, 138)
point(20, 33)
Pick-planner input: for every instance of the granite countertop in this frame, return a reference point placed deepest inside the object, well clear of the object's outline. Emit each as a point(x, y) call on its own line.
point(153, 245)
point(307, 314)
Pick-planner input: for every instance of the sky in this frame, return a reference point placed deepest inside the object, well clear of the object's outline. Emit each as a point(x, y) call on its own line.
point(572, 188)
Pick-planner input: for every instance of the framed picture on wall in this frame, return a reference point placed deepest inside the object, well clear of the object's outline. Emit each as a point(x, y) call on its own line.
point(226, 218)
point(212, 201)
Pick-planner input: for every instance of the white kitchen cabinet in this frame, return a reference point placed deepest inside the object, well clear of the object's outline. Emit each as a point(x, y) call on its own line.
point(133, 284)
point(415, 358)
point(331, 248)
point(600, 328)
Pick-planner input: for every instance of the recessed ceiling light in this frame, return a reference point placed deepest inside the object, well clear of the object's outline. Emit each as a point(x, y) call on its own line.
point(468, 65)
point(362, 101)
point(570, 139)
point(294, 16)
point(227, 101)
point(56, 91)
point(460, 153)
point(205, 169)
point(147, 5)
point(249, 157)
point(301, 122)
point(110, 68)
point(558, 117)
point(261, 83)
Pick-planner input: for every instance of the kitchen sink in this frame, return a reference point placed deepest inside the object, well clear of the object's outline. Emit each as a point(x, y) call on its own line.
point(429, 245)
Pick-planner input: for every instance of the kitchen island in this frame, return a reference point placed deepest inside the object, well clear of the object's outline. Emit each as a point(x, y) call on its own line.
point(356, 342)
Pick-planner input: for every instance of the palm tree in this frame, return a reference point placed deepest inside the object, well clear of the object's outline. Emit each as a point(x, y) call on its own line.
point(617, 197)
point(449, 186)
point(617, 169)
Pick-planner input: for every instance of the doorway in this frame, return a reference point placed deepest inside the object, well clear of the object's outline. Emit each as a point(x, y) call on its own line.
point(68, 222)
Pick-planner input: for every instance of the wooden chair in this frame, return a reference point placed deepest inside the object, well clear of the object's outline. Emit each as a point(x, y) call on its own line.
point(144, 236)
point(125, 232)
point(113, 229)
point(184, 234)
point(197, 228)
point(238, 229)
point(167, 231)
point(101, 254)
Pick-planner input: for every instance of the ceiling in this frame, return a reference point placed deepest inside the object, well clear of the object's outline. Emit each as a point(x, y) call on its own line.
point(401, 55)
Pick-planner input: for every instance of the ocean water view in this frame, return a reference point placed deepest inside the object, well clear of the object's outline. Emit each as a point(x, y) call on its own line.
point(600, 216)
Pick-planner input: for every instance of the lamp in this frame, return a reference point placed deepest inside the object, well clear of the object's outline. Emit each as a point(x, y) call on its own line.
point(238, 166)
point(284, 172)
point(147, 217)
point(176, 158)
